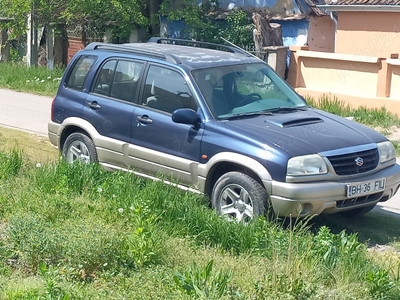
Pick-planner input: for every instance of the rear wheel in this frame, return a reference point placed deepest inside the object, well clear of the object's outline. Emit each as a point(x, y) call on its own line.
point(238, 196)
point(79, 147)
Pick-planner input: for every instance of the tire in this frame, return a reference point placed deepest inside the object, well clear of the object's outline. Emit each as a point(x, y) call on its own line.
point(238, 196)
point(357, 211)
point(78, 147)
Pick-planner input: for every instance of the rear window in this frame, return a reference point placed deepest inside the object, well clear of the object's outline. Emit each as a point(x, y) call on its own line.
point(80, 71)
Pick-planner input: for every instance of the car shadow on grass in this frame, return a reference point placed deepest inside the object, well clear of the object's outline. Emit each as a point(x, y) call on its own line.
point(373, 228)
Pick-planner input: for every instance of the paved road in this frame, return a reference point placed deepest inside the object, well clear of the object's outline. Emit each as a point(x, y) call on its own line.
point(31, 113)
point(25, 111)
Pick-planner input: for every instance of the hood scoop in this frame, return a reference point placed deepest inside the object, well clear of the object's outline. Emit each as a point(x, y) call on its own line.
point(296, 122)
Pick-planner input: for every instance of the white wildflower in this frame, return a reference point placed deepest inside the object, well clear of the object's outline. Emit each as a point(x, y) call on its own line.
point(42, 80)
point(99, 189)
point(120, 210)
point(38, 165)
point(132, 208)
point(49, 77)
point(27, 81)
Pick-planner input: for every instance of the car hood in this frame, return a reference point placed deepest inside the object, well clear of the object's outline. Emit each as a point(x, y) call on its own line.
point(304, 132)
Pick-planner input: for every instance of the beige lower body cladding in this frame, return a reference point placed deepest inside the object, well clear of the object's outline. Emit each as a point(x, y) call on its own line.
point(357, 80)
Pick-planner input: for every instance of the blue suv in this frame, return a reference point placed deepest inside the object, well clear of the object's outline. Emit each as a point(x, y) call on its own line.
point(221, 122)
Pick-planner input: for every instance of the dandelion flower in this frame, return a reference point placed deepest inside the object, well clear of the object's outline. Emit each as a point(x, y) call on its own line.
point(120, 210)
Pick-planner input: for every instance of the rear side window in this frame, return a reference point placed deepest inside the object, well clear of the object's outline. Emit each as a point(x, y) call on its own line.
point(119, 79)
point(105, 78)
point(80, 71)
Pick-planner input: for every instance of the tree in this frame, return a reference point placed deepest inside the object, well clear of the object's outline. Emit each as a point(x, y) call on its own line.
point(199, 19)
point(121, 16)
point(95, 16)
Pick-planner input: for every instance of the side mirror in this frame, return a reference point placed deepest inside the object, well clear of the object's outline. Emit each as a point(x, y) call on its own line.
point(186, 116)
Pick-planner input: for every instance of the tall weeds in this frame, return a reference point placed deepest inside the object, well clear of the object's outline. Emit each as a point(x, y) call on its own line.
point(73, 225)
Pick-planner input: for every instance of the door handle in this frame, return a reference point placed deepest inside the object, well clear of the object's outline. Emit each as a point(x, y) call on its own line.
point(144, 119)
point(94, 105)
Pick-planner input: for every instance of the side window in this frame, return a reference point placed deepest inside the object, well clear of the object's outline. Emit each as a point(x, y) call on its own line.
point(167, 90)
point(126, 79)
point(80, 71)
point(104, 78)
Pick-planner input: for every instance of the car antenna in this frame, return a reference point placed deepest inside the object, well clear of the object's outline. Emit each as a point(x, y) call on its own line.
point(237, 47)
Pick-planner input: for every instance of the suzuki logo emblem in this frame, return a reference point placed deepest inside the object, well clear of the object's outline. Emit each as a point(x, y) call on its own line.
point(359, 161)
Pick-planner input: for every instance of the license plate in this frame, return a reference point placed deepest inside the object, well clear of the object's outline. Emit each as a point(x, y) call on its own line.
point(365, 188)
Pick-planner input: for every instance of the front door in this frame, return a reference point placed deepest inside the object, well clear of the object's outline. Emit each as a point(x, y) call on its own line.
point(164, 146)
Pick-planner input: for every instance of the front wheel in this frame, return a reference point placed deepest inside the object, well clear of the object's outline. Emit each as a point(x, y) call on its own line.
point(79, 147)
point(238, 196)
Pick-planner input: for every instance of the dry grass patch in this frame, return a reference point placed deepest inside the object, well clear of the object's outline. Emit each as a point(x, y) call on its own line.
point(36, 148)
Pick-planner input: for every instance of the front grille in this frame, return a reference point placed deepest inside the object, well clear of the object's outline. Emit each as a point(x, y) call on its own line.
point(345, 164)
point(359, 200)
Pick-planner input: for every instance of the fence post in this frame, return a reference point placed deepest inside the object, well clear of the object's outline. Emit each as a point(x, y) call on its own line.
point(385, 77)
point(276, 58)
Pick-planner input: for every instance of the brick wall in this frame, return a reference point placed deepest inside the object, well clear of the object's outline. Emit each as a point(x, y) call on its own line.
point(75, 44)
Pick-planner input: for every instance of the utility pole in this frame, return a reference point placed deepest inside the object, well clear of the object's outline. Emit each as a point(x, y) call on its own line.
point(50, 46)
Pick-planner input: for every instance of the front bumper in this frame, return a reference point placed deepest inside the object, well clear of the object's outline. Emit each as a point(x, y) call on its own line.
point(302, 199)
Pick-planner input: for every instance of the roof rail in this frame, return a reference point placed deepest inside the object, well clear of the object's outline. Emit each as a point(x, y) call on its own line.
point(130, 48)
point(182, 42)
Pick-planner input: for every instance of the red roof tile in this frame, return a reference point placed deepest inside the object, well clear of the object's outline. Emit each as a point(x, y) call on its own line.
point(317, 11)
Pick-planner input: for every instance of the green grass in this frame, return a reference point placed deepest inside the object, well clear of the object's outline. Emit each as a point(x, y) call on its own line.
point(373, 117)
point(78, 232)
point(37, 80)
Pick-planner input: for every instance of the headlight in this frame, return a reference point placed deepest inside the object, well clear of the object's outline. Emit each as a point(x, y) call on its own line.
point(306, 165)
point(386, 151)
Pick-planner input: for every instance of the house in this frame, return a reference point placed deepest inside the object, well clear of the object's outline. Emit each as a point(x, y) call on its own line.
point(372, 26)
point(302, 22)
point(363, 68)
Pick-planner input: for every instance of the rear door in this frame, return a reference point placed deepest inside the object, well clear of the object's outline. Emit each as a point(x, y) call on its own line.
point(110, 104)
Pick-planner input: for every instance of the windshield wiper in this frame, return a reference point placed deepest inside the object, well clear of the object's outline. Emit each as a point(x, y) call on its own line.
point(285, 109)
point(250, 114)
point(265, 112)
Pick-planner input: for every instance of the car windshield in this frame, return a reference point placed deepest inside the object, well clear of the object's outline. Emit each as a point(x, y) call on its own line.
point(246, 90)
